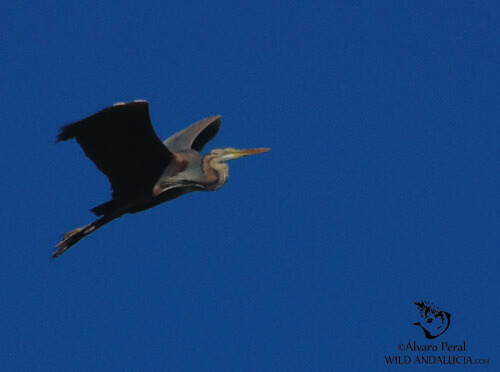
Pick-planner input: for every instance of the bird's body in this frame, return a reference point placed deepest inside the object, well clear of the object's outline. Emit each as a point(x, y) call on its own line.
point(142, 170)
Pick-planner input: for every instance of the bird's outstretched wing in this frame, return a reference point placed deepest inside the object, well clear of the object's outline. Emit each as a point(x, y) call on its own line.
point(122, 143)
point(196, 136)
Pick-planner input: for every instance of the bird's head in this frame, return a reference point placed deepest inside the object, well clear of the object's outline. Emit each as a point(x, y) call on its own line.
point(229, 153)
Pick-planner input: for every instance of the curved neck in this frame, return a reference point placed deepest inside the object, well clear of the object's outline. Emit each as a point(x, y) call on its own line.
point(216, 172)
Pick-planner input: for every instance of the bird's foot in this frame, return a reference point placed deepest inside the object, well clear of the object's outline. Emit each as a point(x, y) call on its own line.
point(69, 239)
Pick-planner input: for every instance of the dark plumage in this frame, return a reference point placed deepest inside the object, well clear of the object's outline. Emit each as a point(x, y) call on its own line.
point(144, 171)
point(122, 143)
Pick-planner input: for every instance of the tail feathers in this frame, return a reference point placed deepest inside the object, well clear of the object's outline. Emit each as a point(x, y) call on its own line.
point(106, 208)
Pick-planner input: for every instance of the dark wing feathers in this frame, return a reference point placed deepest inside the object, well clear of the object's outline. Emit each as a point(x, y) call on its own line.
point(122, 143)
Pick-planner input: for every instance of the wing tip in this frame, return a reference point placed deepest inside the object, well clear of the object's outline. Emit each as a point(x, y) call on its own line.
point(71, 131)
point(215, 120)
point(65, 133)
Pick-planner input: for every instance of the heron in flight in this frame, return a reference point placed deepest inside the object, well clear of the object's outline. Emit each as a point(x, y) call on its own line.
point(142, 170)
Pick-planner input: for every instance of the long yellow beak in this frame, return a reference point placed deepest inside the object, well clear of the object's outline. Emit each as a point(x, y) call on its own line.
point(235, 153)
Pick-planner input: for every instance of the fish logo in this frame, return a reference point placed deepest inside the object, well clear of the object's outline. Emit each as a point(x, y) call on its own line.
point(435, 321)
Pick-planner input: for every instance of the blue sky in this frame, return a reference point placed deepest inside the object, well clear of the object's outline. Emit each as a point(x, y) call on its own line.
point(381, 188)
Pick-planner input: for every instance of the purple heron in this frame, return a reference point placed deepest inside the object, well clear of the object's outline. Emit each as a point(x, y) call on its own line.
point(142, 170)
